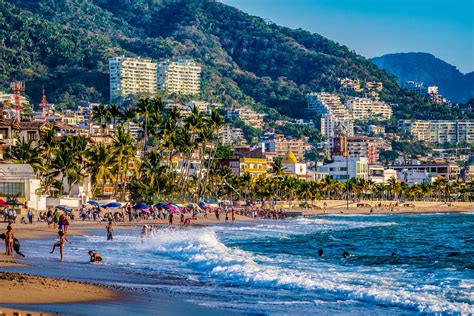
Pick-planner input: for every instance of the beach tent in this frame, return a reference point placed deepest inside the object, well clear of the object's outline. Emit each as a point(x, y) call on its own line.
point(113, 205)
point(141, 206)
point(14, 203)
point(63, 207)
point(95, 203)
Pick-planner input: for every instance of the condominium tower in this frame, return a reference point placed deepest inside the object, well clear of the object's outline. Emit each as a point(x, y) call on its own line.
point(182, 76)
point(132, 77)
point(365, 108)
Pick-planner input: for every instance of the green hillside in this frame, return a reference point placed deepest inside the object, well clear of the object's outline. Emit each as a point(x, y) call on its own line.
point(65, 45)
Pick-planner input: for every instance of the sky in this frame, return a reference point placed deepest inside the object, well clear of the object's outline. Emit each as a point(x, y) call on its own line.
point(444, 28)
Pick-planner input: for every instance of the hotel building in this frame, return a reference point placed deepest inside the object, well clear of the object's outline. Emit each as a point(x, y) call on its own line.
point(182, 76)
point(132, 77)
point(365, 108)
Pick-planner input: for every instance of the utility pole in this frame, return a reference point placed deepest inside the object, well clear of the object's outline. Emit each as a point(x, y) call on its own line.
point(347, 171)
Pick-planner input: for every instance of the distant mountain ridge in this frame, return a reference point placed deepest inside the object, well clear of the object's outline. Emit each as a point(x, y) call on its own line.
point(426, 68)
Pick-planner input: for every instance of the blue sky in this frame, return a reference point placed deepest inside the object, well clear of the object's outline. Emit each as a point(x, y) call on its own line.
point(444, 28)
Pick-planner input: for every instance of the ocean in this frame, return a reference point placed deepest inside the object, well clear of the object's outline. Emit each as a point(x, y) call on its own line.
point(273, 267)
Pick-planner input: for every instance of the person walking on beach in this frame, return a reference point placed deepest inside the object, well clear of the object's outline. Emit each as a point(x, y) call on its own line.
point(170, 218)
point(9, 241)
point(56, 216)
point(60, 244)
point(30, 216)
point(110, 230)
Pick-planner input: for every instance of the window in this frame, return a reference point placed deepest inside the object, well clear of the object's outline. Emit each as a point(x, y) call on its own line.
point(12, 188)
point(31, 135)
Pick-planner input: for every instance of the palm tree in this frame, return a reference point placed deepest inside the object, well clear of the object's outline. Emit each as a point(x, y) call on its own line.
point(100, 162)
point(278, 169)
point(26, 153)
point(124, 149)
point(101, 114)
point(114, 112)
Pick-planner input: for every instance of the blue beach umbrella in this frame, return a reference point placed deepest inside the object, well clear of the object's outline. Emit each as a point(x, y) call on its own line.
point(160, 205)
point(141, 206)
point(112, 205)
point(93, 203)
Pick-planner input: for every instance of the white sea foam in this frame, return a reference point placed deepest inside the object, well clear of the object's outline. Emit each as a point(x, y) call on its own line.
point(202, 250)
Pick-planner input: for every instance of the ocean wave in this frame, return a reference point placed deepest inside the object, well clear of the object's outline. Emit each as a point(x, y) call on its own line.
point(202, 250)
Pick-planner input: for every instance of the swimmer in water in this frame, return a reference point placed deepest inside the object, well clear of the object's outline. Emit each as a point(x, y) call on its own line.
point(320, 252)
point(394, 254)
point(95, 257)
point(345, 254)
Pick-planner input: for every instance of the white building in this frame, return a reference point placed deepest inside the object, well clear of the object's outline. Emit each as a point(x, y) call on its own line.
point(365, 108)
point(229, 135)
point(341, 167)
point(132, 77)
point(335, 119)
point(182, 76)
point(438, 131)
point(202, 106)
point(245, 114)
point(379, 175)
point(20, 180)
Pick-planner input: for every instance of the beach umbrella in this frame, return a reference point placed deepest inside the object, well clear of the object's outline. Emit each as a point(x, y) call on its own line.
point(141, 206)
point(173, 208)
point(95, 203)
point(112, 205)
point(160, 205)
point(202, 205)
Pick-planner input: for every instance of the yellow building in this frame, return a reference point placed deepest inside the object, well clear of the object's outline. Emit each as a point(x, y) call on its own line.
point(254, 166)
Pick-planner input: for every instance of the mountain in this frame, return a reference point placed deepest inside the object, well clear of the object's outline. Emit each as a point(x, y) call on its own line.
point(65, 45)
point(426, 68)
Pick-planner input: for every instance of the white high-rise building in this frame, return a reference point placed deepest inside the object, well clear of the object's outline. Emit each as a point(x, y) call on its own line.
point(365, 108)
point(132, 77)
point(335, 119)
point(438, 131)
point(182, 76)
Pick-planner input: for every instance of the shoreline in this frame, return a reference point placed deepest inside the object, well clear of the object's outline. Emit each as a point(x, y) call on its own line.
point(23, 278)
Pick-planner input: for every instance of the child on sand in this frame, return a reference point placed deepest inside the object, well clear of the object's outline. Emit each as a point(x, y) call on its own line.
point(60, 244)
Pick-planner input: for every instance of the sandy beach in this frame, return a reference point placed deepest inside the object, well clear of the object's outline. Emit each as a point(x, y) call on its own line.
point(26, 289)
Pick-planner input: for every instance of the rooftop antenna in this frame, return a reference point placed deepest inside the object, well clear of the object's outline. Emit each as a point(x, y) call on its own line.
point(17, 87)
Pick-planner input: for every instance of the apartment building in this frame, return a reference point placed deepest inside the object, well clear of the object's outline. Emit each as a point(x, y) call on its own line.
point(438, 131)
point(257, 167)
point(281, 145)
point(132, 77)
point(335, 119)
point(418, 88)
point(202, 106)
point(229, 135)
point(182, 76)
point(245, 114)
point(365, 108)
point(349, 85)
point(368, 147)
point(8, 99)
point(374, 86)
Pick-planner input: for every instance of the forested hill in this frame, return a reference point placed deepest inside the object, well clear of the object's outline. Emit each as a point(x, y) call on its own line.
point(65, 45)
point(426, 68)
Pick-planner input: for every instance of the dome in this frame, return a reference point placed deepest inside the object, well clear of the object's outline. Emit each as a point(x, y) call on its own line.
point(290, 158)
